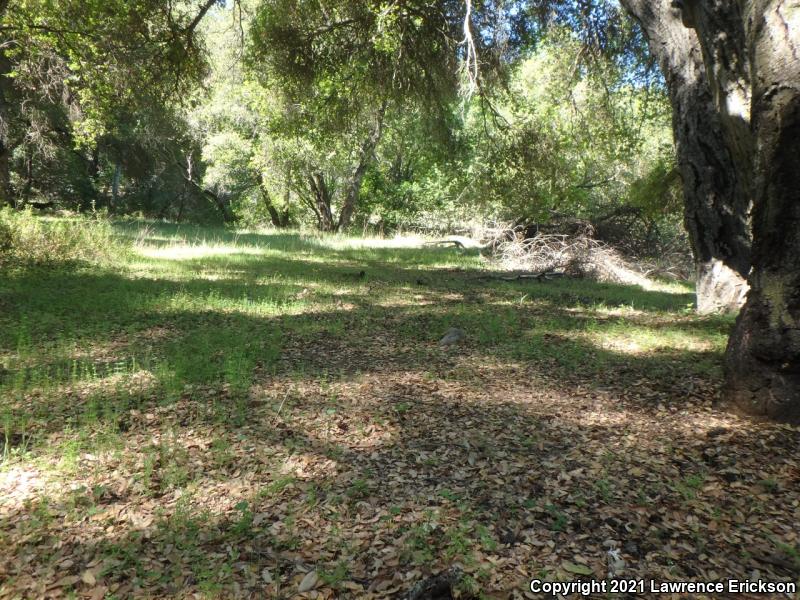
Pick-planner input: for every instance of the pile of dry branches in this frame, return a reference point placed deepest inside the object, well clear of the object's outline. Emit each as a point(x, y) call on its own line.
point(575, 254)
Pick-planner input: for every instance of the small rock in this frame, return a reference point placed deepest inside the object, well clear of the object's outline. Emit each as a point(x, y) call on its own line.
point(453, 336)
point(716, 432)
point(631, 548)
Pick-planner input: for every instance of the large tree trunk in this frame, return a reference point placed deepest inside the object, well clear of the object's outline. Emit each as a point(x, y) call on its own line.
point(763, 359)
point(713, 158)
point(280, 220)
point(6, 192)
point(365, 154)
point(322, 201)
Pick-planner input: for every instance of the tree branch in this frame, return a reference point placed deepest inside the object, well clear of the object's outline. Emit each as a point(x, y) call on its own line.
point(196, 21)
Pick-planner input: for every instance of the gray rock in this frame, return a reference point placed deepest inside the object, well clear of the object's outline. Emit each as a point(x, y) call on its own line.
point(453, 336)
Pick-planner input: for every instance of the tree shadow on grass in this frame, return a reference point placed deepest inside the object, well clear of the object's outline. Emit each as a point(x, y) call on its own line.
point(463, 471)
point(463, 476)
point(540, 428)
point(166, 329)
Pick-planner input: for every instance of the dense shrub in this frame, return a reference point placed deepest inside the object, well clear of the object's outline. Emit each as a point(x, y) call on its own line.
point(28, 240)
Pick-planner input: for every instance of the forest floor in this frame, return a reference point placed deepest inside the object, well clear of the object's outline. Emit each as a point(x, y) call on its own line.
point(271, 416)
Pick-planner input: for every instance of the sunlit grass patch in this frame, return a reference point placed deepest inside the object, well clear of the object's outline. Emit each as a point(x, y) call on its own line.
point(630, 338)
point(218, 401)
point(187, 252)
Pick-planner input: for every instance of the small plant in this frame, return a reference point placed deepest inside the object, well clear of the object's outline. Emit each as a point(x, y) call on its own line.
point(221, 453)
point(358, 489)
point(579, 501)
point(689, 486)
point(468, 586)
point(243, 525)
point(15, 439)
point(402, 408)
point(459, 543)
point(769, 485)
point(558, 520)
point(148, 468)
point(485, 536)
point(642, 499)
point(334, 577)
point(449, 495)
point(603, 487)
point(174, 470)
point(419, 546)
point(276, 487)
point(334, 452)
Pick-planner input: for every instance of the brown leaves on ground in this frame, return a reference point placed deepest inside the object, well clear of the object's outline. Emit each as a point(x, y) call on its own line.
point(390, 469)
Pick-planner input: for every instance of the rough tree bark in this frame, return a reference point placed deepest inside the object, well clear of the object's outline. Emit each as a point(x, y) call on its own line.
point(365, 154)
point(322, 201)
point(763, 359)
point(6, 192)
point(280, 219)
point(713, 154)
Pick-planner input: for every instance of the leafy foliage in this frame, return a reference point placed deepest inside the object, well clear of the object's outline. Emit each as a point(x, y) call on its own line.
point(564, 139)
point(26, 240)
point(347, 113)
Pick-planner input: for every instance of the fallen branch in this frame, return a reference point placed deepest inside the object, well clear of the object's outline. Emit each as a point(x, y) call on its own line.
point(280, 408)
point(462, 242)
point(542, 276)
point(446, 243)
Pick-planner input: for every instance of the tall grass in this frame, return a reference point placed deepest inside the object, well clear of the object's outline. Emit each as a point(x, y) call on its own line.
point(27, 240)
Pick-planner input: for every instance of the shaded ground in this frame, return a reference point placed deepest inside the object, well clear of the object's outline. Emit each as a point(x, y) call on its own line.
point(249, 416)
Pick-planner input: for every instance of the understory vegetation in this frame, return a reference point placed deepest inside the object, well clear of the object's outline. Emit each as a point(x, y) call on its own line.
point(231, 413)
point(27, 241)
point(398, 300)
point(256, 139)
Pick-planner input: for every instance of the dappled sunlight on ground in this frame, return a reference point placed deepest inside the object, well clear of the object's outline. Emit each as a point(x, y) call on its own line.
point(183, 252)
point(639, 342)
point(19, 485)
point(263, 430)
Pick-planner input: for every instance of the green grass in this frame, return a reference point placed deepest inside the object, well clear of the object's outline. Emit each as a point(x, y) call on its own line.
point(156, 363)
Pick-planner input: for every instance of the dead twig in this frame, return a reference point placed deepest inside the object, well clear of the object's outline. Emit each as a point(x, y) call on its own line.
point(542, 276)
point(280, 408)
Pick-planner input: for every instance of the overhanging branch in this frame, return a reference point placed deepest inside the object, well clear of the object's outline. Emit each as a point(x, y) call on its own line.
point(196, 21)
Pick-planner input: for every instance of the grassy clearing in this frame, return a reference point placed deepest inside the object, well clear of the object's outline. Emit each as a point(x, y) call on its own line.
point(227, 414)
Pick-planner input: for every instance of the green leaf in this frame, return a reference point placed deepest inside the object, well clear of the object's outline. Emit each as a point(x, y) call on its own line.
point(578, 569)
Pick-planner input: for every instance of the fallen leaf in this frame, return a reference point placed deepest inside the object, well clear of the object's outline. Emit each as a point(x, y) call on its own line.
point(309, 582)
point(98, 593)
point(579, 569)
point(88, 578)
